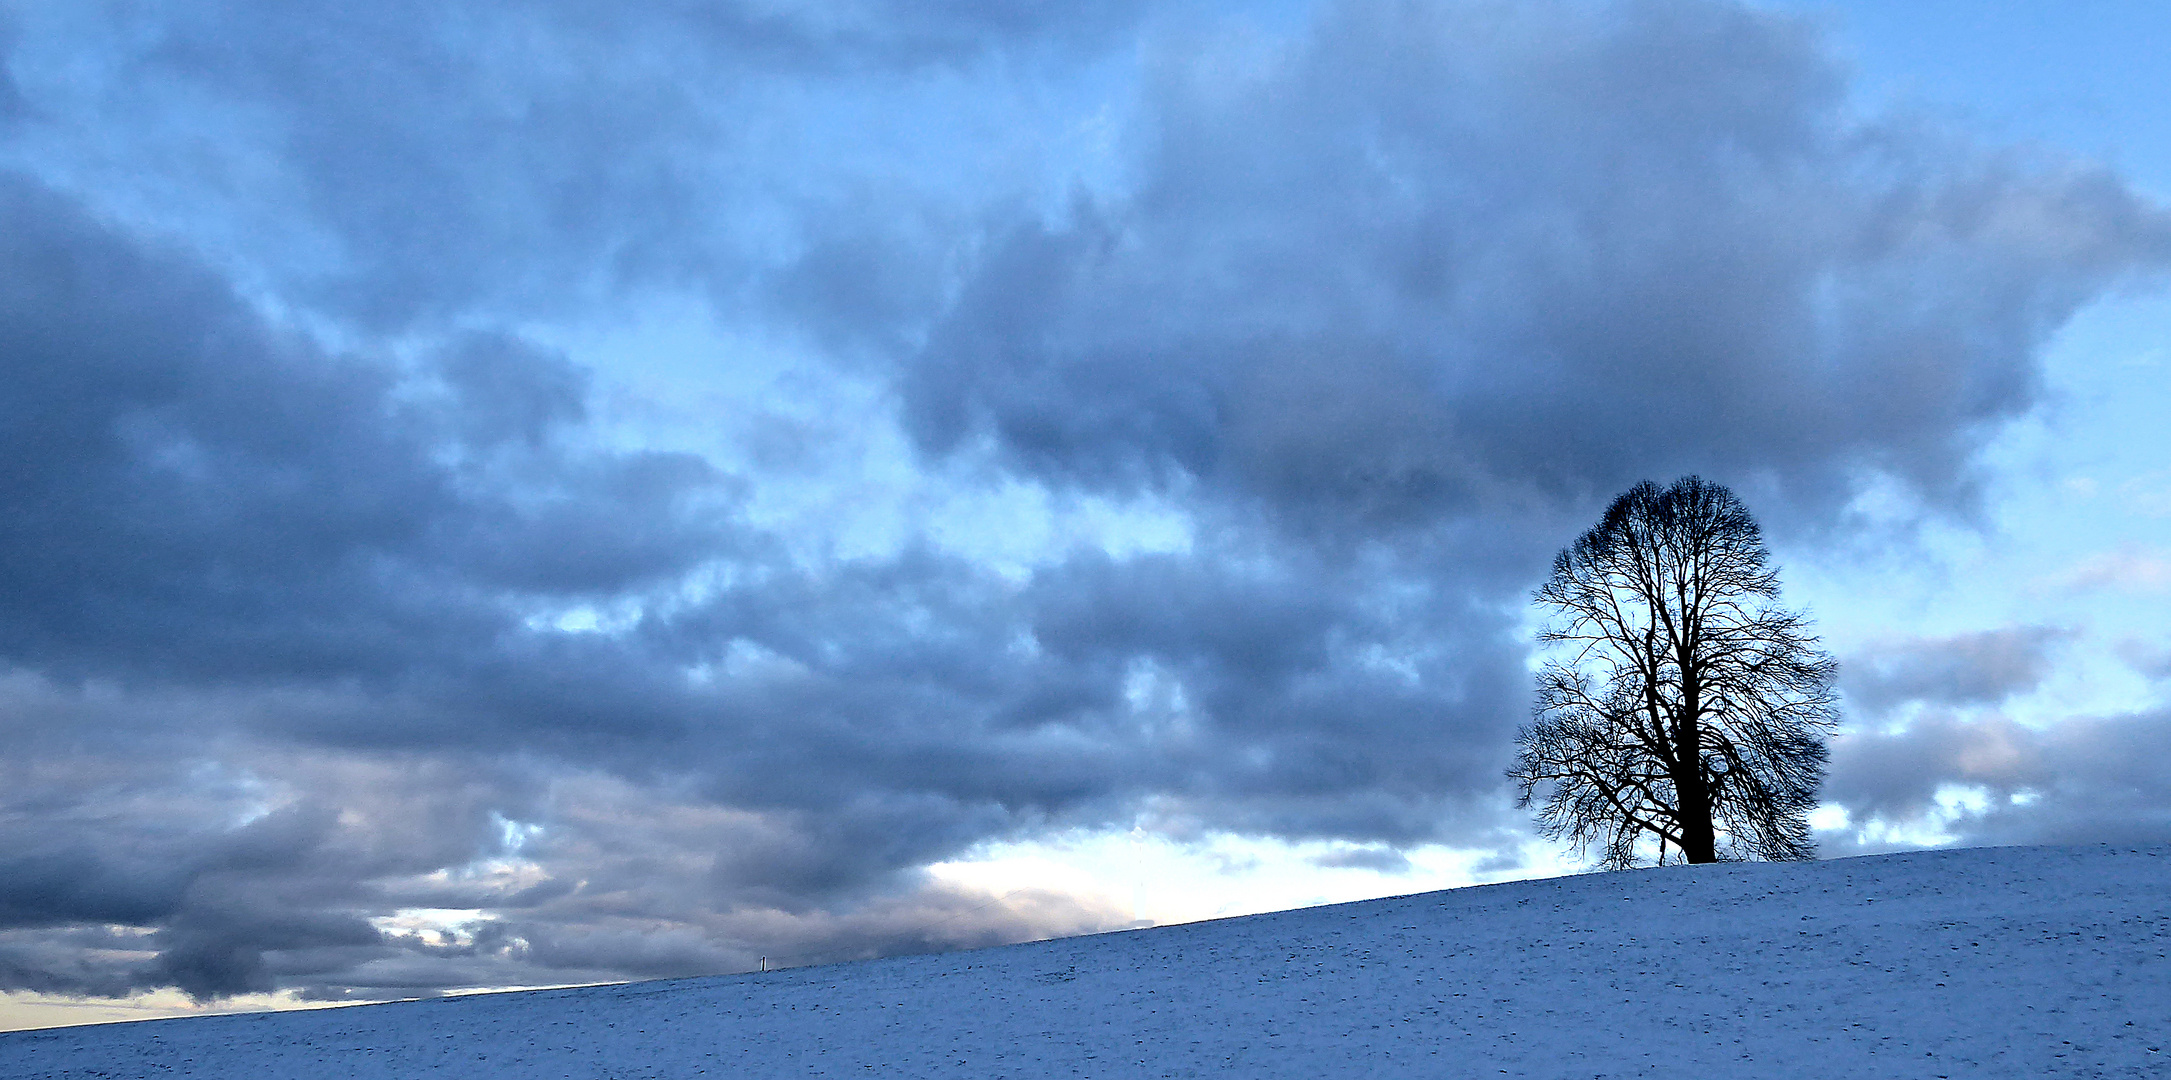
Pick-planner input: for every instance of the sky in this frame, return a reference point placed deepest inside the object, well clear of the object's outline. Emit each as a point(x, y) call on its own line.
point(514, 494)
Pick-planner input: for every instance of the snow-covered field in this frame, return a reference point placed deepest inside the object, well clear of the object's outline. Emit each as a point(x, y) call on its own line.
point(1995, 962)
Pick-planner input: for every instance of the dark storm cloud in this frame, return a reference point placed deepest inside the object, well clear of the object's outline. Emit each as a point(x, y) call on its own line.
point(208, 864)
point(305, 639)
point(198, 503)
point(912, 706)
point(195, 495)
point(1323, 699)
point(265, 545)
point(1982, 668)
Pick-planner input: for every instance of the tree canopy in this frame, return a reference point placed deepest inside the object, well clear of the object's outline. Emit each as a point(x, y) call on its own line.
point(1682, 708)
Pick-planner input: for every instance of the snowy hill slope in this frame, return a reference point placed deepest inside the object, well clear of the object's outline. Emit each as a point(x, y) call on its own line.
point(1993, 962)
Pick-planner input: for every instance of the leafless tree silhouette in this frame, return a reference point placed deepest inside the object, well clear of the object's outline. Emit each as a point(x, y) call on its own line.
point(1682, 704)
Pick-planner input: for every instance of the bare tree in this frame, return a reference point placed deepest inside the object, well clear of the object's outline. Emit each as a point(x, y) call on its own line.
point(1682, 704)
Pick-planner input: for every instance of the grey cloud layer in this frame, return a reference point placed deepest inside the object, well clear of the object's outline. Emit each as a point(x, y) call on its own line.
point(411, 163)
point(1385, 308)
point(1427, 259)
point(2086, 780)
point(1961, 766)
point(196, 496)
point(332, 557)
point(1982, 668)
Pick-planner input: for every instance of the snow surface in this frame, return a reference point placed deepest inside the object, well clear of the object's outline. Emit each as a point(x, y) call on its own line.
point(1990, 962)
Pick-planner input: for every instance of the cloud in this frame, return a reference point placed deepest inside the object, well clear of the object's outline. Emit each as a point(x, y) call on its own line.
point(2129, 568)
point(1380, 860)
point(352, 648)
point(301, 583)
point(410, 162)
point(1433, 262)
point(11, 98)
point(2085, 780)
point(2150, 661)
point(1981, 668)
point(206, 498)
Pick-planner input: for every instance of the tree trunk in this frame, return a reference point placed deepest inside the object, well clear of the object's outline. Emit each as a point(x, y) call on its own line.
point(1699, 840)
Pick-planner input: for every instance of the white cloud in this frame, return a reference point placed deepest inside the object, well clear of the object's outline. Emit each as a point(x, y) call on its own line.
point(2128, 568)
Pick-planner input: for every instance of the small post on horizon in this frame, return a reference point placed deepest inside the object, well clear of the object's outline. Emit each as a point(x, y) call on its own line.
point(765, 963)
